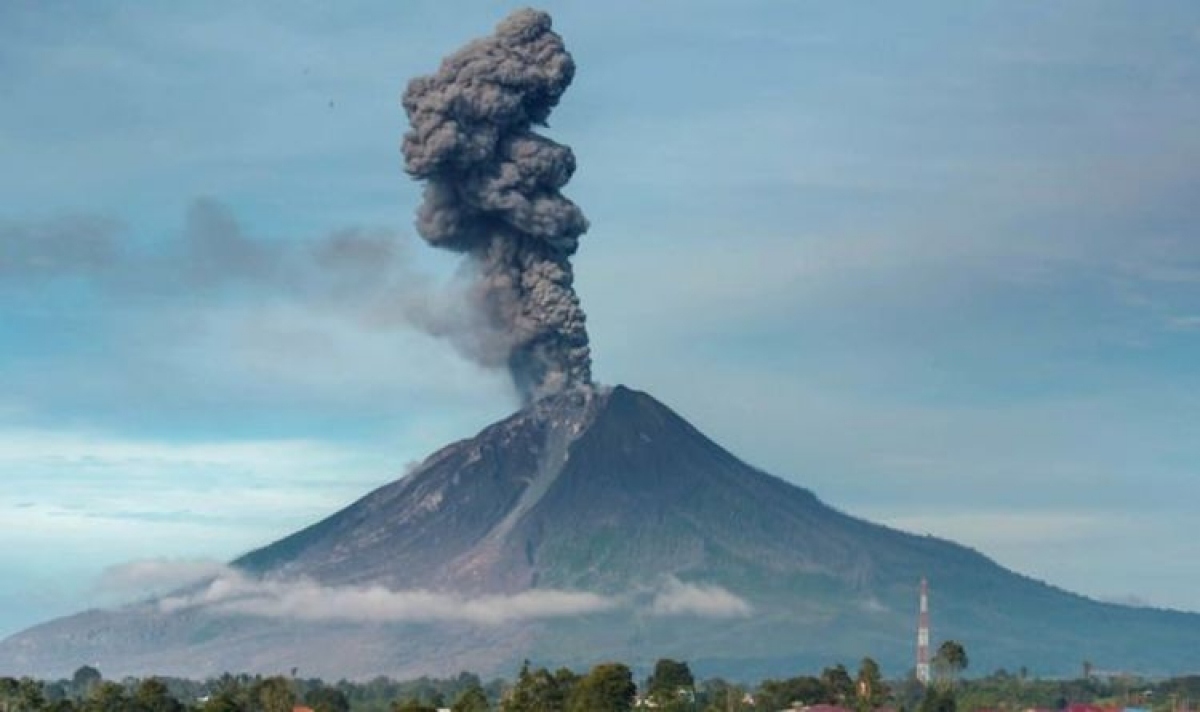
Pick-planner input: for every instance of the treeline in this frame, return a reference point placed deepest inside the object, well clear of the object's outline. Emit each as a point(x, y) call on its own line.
point(87, 691)
point(1014, 691)
point(608, 687)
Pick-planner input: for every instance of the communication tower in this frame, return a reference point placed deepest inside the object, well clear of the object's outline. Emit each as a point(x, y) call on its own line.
point(923, 636)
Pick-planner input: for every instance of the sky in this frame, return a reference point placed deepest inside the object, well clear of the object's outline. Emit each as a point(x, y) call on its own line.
point(938, 262)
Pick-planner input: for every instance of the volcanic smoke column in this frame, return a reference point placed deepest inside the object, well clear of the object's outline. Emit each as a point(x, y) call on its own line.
point(492, 192)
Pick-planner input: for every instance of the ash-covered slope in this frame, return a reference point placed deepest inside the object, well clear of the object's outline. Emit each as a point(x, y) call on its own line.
point(448, 524)
point(589, 490)
point(696, 555)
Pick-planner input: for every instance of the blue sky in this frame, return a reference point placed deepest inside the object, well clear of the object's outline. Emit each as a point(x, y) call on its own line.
point(938, 262)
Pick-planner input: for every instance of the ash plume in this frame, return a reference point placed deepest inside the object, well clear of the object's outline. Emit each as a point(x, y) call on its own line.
point(492, 192)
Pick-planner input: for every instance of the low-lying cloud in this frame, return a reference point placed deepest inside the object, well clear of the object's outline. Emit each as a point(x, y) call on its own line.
point(307, 600)
point(156, 576)
point(231, 592)
point(677, 598)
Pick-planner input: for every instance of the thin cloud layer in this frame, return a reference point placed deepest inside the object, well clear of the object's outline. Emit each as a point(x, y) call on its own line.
point(231, 592)
point(677, 598)
point(235, 593)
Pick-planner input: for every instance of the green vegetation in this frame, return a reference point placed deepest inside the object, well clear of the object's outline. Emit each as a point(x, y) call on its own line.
point(539, 690)
point(949, 662)
point(607, 687)
point(473, 699)
point(870, 691)
point(671, 687)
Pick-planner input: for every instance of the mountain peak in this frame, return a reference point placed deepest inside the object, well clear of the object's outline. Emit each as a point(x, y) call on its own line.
point(491, 513)
point(608, 493)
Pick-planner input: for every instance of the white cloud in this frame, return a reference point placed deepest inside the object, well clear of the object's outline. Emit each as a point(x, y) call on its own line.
point(234, 593)
point(677, 598)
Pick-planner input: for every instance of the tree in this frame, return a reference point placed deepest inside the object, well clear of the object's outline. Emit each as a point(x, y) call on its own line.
point(327, 699)
point(671, 685)
point(223, 701)
point(472, 699)
point(608, 687)
point(520, 697)
point(106, 697)
point(274, 694)
point(565, 682)
point(84, 679)
point(869, 688)
point(230, 695)
point(9, 690)
point(839, 688)
point(938, 699)
point(724, 697)
point(539, 690)
point(21, 695)
point(950, 660)
point(804, 690)
point(153, 696)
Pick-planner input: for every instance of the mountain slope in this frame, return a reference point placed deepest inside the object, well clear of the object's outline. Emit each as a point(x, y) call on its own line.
point(695, 555)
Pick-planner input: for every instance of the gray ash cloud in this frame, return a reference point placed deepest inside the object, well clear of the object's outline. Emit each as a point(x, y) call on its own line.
point(492, 192)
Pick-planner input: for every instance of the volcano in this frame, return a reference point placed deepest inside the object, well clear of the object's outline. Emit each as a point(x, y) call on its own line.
point(597, 524)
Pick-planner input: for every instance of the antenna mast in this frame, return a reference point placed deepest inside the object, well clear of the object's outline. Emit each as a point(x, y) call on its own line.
point(923, 636)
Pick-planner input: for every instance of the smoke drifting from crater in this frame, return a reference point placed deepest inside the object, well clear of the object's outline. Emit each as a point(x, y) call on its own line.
point(492, 193)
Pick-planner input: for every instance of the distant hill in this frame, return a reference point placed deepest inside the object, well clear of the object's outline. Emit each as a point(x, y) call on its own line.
point(600, 525)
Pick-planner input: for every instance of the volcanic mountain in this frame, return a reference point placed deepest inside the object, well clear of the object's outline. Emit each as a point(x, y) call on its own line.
point(591, 525)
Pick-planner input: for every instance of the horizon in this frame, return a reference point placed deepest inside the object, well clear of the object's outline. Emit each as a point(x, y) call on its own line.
point(935, 264)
